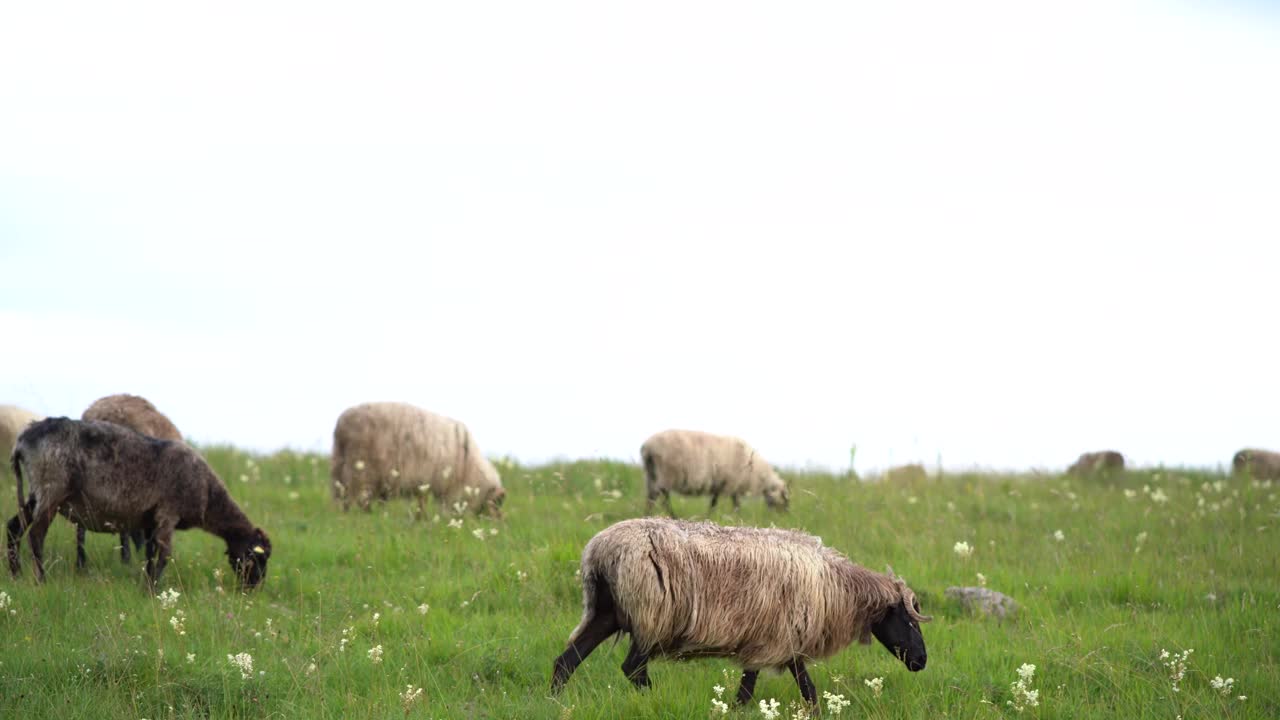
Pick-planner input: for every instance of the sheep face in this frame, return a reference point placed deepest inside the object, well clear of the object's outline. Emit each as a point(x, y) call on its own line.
point(899, 632)
point(776, 495)
point(249, 558)
point(493, 504)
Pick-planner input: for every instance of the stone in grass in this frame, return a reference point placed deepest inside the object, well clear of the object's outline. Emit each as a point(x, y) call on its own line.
point(983, 601)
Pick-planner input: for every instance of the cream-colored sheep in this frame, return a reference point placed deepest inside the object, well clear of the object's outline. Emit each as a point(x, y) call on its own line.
point(1258, 464)
point(389, 449)
point(763, 597)
point(13, 420)
point(698, 463)
point(912, 473)
point(134, 412)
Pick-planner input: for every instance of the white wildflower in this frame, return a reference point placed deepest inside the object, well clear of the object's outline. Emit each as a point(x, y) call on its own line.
point(1221, 685)
point(375, 654)
point(410, 696)
point(459, 507)
point(982, 580)
point(244, 663)
point(1177, 664)
point(178, 622)
point(5, 600)
point(1131, 494)
point(423, 608)
point(1158, 496)
point(1059, 536)
point(311, 668)
point(456, 523)
point(963, 549)
point(191, 657)
point(168, 598)
point(478, 533)
point(876, 685)
point(493, 531)
point(719, 706)
point(835, 703)
point(1023, 696)
point(769, 709)
point(718, 690)
point(359, 465)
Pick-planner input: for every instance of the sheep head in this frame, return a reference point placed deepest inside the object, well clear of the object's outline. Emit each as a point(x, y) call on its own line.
point(899, 629)
point(248, 556)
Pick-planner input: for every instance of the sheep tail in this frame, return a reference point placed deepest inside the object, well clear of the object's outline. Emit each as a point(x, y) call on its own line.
point(16, 461)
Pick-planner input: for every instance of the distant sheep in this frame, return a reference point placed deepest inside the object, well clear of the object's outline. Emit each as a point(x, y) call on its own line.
point(765, 598)
point(13, 420)
point(1257, 464)
point(135, 413)
point(1095, 463)
point(907, 473)
point(698, 463)
point(109, 478)
point(388, 449)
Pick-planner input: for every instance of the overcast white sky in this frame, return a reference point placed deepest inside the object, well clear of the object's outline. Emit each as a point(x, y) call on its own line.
point(999, 233)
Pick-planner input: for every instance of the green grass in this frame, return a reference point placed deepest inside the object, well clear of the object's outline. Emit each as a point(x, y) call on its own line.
point(1096, 608)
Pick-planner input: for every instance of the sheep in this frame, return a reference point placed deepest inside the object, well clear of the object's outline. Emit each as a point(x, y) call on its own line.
point(766, 598)
point(388, 449)
point(1094, 463)
point(138, 414)
point(907, 473)
point(110, 478)
point(1258, 464)
point(13, 420)
point(698, 463)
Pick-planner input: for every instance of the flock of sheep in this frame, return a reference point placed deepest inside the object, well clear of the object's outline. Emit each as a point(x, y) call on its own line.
point(766, 598)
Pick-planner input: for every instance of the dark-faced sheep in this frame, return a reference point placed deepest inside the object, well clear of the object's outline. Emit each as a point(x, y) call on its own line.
point(689, 462)
point(1097, 463)
point(110, 478)
point(135, 413)
point(765, 598)
point(387, 449)
point(1257, 464)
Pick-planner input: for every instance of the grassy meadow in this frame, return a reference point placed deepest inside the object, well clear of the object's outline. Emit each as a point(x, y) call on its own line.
point(1108, 573)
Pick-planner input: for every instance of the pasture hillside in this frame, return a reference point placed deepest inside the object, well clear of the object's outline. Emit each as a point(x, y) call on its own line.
point(360, 610)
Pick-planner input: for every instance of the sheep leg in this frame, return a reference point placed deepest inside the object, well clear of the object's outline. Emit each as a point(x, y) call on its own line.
point(599, 629)
point(747, 687)
point(39, 528)
point(82, 559)
point(18, 525)
point(666, 499)
point(125, 553)
point(807, 690)
point(737, 504)
point(714, 498)
point(636, 666)
point(158, 545)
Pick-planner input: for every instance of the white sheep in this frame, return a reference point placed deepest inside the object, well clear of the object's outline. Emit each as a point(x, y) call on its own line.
point(390, 449)
point(698, 463)
point(13, 420)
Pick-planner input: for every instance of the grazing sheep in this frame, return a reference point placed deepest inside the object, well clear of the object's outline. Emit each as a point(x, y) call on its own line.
point(1094, 463)
point(1257, 464)
point(914, 472)
point(110, 478)
point(388, 449)
point(766, 598)
point(13, 420)
point(697, 463)
point(135, 413)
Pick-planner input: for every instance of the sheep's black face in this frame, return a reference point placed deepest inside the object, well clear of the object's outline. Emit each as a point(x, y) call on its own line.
point(249, 558)
point(901, 635)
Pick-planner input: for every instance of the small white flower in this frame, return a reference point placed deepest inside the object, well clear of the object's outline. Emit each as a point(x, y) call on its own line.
point(409, 696)
point(718, 690)
point(244, 663)
point(1221, 685)
point(375, 654)
point(1059, 536)
point(1158, 496)
point(168, 598)
point(493, 531)
point(982, 580)
point(293, 495)
point(769, 709)
point(177, 622)
point(359, 465)
point(912, 500)
point(423, 608)
point(395, 473)
point(311, 668)
point(5, 600)
point(835, 703)
point(720, 706)
point(876, 685)
point(478, 533)
point(1026, 671)
point(1131, 494)
point(191, 657)
point(456, 523)
point(963, 549)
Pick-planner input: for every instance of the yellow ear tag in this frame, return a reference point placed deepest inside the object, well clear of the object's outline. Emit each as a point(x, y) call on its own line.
point(258, 549)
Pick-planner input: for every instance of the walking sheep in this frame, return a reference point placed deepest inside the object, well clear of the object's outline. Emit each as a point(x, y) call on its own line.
point(1257, 464)
point(388, 449)
point(135, 413)
point(766, 598)
point(13, 420)
point(1095, 463)
point(110, 478)
point(697, 463)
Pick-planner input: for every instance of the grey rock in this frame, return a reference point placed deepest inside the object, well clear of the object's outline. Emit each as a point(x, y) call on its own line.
point(984, 601)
